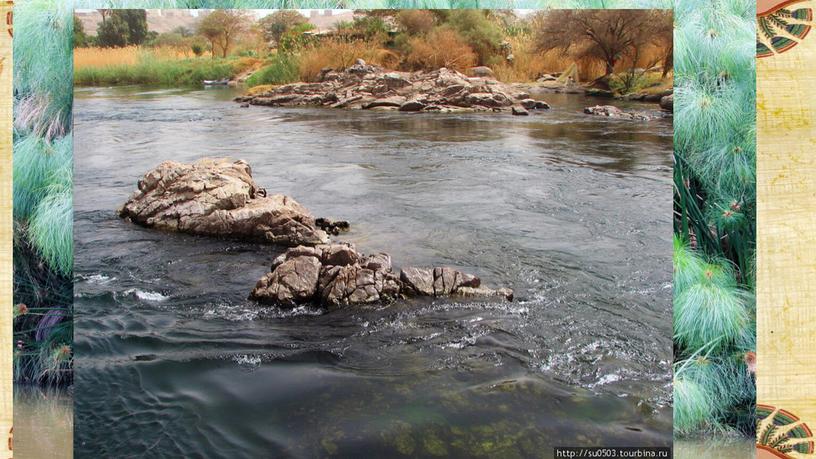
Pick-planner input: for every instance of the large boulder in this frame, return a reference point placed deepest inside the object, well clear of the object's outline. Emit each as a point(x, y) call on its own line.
point(293, 282)
point(218, 197)
point(337, 275)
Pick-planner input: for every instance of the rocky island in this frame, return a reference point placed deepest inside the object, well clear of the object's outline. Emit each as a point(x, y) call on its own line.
point(335, 275)
point(368, 87)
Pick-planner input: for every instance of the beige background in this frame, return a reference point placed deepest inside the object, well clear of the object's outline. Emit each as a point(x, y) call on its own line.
point(786, 230)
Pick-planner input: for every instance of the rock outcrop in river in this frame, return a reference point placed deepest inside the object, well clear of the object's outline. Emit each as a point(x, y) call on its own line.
point(611, 111)
point(218, 197)
point(368, 87)
point(335, 275)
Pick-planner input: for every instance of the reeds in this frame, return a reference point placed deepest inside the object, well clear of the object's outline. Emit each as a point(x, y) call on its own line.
point(715, 213)
point(43, 220)
point(135, 65)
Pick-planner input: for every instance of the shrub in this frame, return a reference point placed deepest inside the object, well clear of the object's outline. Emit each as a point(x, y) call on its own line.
point(282, 68)
point(368, 28)
point(340, 54)
point(483, 35)
point(295, 38)
point(416, 22)
point(527, 64)
point(442, 47)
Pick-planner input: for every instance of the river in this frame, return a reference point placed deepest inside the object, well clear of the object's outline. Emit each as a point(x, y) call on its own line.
point(571, 211)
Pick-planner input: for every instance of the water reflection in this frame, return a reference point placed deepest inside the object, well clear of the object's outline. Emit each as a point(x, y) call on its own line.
point(43, 423)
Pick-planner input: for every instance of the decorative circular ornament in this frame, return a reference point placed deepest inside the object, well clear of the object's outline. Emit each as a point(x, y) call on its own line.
point(780, 434)
point(781, 25)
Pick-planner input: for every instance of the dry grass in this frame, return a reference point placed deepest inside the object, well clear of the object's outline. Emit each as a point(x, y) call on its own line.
point(340, 54)
point(528, 64)
point(442, 47)
point(129, 55)
point(260, 89)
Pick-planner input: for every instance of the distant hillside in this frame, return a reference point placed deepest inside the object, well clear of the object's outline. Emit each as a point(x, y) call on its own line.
point(160, 21)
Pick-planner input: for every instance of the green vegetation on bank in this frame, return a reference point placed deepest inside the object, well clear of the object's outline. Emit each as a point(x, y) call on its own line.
point(281, 68)
point(514, 47)
point(185, 72)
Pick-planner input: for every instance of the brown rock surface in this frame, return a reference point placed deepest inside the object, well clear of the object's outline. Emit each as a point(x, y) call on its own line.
point(293, 282)
point(337, 275)
point(218, 197)
point(611, 111)
point(363, 86)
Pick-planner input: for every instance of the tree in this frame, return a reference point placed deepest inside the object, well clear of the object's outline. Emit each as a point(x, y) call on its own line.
point(276, 24)
point(603, 35)
point(122, 28)
point(112, 33)
point(183, 31)
point(664, 38)
point(221, 27)
point(105, 13)
point(80, 37)
point(136, 21)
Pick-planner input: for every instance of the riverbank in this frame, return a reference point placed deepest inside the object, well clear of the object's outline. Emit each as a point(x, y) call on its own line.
point(134, 66)
point(151, 69)
point(369, 87)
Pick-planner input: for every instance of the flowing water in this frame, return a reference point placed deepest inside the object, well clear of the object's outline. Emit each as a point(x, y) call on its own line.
point(571, 211)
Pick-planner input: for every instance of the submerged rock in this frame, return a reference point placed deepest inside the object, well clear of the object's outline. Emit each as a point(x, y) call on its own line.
point(520, 111)
point(218, 197)
point(596, 92)
point(531, 104)
point(330, 226)
point(611, 111)
point(366, 87)
point(336, 275)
